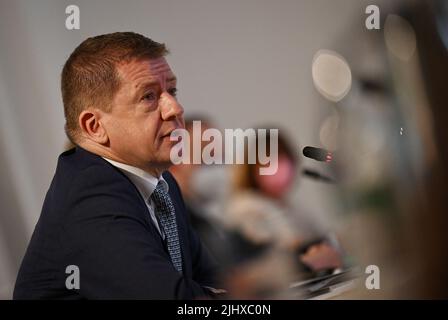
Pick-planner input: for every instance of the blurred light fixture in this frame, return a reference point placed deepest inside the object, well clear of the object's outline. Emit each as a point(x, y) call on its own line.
point(332, 76)
point(329, 132)
point(400, 37)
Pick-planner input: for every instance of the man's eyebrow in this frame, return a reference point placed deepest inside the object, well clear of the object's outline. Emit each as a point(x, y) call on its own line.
point(171, 79)
point(151, 83)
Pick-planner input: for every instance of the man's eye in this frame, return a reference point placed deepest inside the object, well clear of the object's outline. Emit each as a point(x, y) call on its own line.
point(149, 96)
point(173, 92)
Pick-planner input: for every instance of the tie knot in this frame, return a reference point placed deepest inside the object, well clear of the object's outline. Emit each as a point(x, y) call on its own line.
point(161, 198)
point(160, 189)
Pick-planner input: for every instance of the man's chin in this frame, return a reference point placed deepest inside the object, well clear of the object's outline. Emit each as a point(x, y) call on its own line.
point(164, 160)
point(157, 166)
point(166, 163)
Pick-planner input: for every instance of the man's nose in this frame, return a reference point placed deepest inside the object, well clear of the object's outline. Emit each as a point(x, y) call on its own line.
point(169, 107)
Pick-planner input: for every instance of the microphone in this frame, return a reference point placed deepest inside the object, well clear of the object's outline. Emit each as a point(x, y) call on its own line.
point(317, 154)
point(317, 176)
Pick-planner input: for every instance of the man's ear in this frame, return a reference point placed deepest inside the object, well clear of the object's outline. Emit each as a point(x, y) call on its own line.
point(91, 126)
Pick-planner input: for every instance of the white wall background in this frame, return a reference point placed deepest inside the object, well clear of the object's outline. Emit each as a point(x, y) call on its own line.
point(241, 62)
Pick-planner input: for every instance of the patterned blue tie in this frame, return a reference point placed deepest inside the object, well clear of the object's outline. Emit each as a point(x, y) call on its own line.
point(167, 220)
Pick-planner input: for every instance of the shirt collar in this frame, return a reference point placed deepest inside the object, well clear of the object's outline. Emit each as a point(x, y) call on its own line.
point(145, 182)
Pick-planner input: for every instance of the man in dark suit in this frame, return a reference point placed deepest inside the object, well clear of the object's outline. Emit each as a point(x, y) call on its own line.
point(112, 212)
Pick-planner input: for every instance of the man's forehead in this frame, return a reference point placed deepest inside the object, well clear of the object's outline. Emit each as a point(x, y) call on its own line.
point(143, 70)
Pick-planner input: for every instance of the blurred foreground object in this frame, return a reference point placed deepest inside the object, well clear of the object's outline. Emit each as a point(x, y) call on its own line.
point(392, 144)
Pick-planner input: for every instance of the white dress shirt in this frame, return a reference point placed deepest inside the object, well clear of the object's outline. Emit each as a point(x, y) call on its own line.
point(145, 184)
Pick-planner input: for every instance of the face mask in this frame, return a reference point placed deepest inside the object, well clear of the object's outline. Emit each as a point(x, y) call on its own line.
point(210, 183)
point(278, 184)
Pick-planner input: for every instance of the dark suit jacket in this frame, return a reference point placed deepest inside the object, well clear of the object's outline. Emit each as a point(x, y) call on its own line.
point(95, 218)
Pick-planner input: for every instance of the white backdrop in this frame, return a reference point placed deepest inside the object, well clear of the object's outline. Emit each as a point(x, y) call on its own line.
point(241, 62)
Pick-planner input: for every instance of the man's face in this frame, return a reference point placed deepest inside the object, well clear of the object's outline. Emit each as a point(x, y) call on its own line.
point(144, 112)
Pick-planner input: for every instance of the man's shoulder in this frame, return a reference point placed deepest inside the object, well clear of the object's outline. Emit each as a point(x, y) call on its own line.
point(87, 182)
point(77, 160)
point(78, 169)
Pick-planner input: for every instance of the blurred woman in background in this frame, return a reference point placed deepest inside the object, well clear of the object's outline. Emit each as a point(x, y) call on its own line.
point(259, 212)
